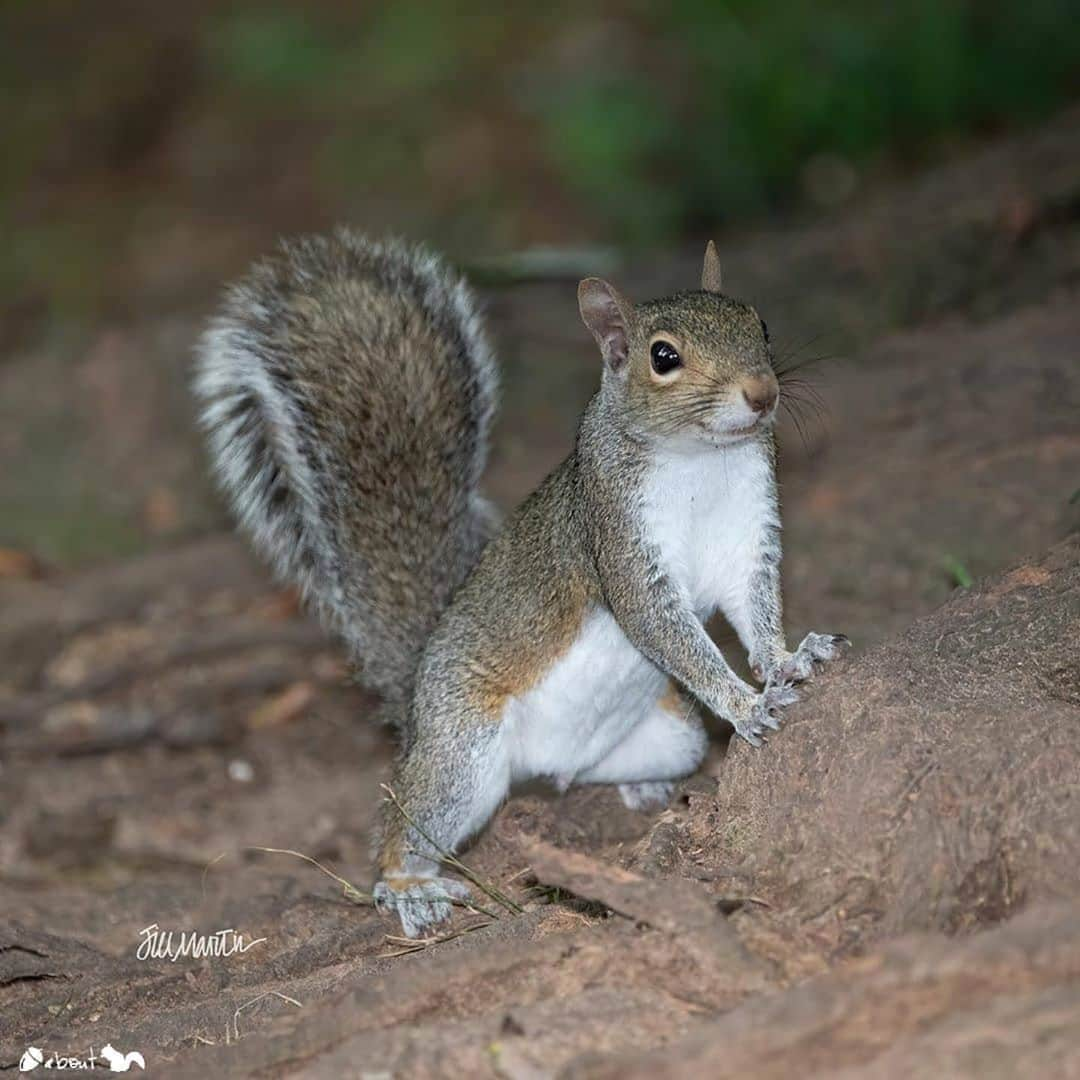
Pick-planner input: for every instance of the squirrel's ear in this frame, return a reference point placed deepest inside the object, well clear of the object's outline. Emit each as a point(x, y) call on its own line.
point(606, 313)
point(710, 272)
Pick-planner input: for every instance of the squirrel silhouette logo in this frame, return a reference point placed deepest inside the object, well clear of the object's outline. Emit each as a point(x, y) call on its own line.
point(121, 1062)
point(31, 1059)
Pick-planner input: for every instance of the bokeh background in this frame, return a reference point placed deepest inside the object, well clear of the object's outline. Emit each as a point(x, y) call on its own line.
point(151, 150)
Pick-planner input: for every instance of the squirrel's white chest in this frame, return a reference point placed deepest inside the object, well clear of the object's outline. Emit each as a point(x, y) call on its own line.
point(706, 515)
point(593, 696)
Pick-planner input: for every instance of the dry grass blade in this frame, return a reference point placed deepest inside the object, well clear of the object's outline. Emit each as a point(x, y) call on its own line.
point(255, 1001)
point(351, 892)
point(206, 869)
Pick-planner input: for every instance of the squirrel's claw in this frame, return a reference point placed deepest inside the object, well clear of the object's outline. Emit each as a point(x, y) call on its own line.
point(763, 712)
point(422, 904)
point(814, 649)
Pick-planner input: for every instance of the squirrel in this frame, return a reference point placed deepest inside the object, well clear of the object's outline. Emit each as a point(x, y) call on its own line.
point(347, 390)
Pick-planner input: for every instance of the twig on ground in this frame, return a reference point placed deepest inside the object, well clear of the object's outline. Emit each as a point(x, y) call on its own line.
point(405, 945)
point(729, 904)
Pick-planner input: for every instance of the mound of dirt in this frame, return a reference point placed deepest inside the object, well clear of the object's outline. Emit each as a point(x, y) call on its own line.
point(999, 1005)
point(930, 784)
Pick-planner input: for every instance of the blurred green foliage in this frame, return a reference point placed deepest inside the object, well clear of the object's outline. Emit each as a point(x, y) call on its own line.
point(738, 96)
point(634, 123)
point(688, 113)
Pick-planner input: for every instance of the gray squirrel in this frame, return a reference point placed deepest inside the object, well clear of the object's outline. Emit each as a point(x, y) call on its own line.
point(347, 389)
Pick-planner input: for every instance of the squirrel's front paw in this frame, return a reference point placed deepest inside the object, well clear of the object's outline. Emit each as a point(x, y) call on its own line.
point(799, 665)
point(422, 904)
point(814, 649)
point(761, 711)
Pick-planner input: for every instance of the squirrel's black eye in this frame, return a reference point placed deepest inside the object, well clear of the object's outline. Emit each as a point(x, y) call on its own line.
point(665, 357)
point(765, 330)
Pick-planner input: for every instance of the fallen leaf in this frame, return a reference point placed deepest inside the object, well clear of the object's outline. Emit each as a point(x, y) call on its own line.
point(19, 565)
point(282, 708)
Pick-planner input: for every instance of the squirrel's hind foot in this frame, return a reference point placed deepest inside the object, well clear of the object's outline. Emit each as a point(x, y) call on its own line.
point(422, 904)
point(646, 794)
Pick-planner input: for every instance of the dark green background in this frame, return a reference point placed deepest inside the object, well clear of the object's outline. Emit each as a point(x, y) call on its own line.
point(130, 125)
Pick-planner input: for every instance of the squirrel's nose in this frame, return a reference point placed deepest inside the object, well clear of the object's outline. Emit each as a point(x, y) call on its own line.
point(761, 392)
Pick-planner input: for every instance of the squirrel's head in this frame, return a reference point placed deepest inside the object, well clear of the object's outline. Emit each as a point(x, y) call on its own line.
point(696, 364)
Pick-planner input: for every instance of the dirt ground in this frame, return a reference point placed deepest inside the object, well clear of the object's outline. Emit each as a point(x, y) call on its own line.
point(890, 883)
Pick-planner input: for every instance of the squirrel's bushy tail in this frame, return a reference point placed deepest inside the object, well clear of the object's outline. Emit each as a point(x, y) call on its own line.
point(347, 389)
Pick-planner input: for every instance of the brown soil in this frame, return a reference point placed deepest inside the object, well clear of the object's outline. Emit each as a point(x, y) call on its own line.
point(891, 882)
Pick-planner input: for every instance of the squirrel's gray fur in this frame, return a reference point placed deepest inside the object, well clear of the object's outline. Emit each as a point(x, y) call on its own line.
point(347, 391)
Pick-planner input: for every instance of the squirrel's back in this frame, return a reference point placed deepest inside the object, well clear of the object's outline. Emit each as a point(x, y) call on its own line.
point(347, 390)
